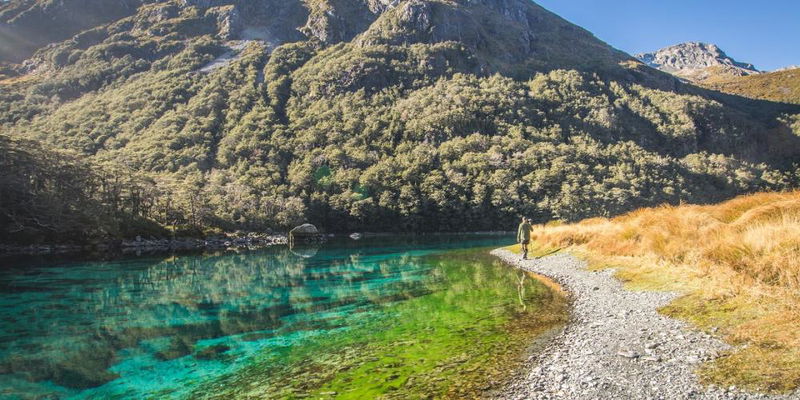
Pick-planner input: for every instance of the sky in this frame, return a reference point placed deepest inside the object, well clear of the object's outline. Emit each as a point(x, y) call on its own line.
point(765, 33)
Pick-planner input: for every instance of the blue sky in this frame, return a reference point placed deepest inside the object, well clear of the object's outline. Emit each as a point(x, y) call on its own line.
point(762, 32)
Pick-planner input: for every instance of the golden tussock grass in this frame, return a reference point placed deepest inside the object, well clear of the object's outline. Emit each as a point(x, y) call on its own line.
point(737, 264)
point(783, 86)
point(8, 81)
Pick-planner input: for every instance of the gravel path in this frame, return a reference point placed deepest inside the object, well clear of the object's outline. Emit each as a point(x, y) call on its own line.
point(616, 346)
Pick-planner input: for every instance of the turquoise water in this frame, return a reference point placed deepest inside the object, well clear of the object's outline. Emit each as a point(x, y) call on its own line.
point(163, 327)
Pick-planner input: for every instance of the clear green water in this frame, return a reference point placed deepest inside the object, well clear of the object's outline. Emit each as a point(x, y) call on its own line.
point(394, 317)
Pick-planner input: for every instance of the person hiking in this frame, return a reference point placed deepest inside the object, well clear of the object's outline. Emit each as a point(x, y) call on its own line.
point(524, 236)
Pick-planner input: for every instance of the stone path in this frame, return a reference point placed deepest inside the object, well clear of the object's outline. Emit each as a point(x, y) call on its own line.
point(616, 346)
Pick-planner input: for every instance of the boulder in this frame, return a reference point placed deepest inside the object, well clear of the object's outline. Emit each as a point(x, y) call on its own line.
point(305, 233)
point(305, 229)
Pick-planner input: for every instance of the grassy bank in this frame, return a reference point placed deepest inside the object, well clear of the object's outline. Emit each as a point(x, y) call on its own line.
point(737, 264)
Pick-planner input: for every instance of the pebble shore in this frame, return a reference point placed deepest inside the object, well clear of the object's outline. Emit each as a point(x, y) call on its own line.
point(616, 345)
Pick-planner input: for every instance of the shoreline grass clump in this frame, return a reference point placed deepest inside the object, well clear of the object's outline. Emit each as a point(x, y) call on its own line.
point(737, 265)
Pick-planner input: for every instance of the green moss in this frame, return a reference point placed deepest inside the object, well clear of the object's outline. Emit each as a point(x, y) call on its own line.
point(722, 314)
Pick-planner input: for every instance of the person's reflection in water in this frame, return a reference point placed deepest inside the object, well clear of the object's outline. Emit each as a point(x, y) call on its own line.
point(521, 290)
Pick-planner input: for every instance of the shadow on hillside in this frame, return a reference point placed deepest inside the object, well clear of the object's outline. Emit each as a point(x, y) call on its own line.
point(775, 144)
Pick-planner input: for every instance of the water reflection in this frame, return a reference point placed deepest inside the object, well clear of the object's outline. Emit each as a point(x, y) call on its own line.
point(304, 251)
point(101, 328)
point(522, 276)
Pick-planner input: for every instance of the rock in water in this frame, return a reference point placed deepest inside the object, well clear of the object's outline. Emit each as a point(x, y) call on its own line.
point(303, 234)
point(305, 229)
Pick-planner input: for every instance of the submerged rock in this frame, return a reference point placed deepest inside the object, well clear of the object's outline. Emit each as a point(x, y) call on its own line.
point(178, 348)
point(83, 369)
point(212, 352)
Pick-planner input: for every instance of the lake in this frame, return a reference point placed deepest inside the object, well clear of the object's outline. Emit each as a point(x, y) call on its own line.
point(393, 317)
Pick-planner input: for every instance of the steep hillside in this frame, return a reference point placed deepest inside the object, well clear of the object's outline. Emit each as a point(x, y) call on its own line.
point(386, 115)
point(26, 25)
point(697, 62)
point(782, 86)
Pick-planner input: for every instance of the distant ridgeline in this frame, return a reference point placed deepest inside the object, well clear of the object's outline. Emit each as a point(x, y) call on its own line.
point(708, 66)
point(381, 115)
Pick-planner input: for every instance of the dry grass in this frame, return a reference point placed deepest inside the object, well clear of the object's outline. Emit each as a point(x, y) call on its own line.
point(14, 80)
point(783, 86)
point(738, 264)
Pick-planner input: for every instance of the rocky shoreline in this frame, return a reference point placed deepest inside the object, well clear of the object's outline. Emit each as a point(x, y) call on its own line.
point(152, 245)
point(616, 345)
point(236, 240)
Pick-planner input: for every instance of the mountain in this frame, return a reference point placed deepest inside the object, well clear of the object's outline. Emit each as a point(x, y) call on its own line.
point(709, 66)
point(790, 67)
point(696, 61)
point(380, 115)
point(498, 32)
point(26, 25)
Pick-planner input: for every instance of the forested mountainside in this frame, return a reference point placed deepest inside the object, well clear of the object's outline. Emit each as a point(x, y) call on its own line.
point(380, 115)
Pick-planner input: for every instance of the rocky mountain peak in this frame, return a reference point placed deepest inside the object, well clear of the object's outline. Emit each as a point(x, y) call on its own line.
point(696, 61)
point(513, 36)
point(503, 34)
